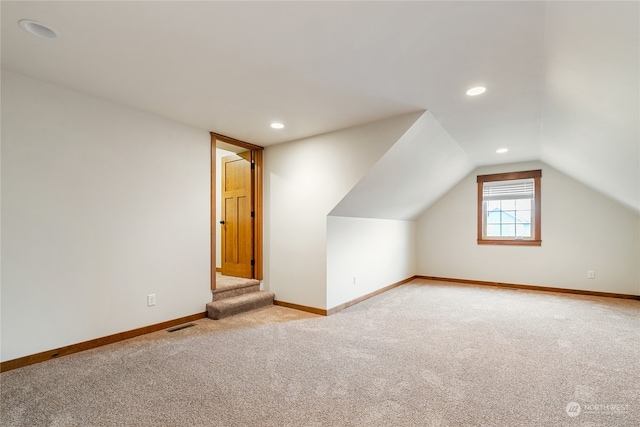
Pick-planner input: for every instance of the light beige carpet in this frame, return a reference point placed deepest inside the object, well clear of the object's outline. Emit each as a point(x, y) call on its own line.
point(418, 355)
point(223, 282)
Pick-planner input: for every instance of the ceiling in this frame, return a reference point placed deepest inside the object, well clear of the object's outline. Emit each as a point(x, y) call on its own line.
point(561, 77)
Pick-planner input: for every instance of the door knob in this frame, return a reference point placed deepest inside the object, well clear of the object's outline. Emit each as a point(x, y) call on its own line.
point(222, 222)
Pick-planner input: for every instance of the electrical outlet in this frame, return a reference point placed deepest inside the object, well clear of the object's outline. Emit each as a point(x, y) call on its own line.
point(591, 274)
point(354, 280)
point(151, 300)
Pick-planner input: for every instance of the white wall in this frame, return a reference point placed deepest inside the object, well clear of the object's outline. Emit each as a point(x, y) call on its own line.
point(581, 230)
point(101, 205)
point(304, 181)
point(378, 252)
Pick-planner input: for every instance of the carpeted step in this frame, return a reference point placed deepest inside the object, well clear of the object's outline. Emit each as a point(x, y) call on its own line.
point(239, 304)
point(247, 287)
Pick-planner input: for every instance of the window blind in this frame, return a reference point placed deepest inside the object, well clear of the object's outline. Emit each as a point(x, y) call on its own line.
point(508, 190)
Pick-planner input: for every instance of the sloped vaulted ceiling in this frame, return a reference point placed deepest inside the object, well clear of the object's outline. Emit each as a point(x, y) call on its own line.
point(421, 166)
point(561, 77)
point(590, 124)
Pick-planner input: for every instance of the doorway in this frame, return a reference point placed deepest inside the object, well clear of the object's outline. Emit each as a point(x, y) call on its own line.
point(236, 208)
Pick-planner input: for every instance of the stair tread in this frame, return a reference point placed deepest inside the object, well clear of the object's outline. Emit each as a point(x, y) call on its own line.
point(253, 296)
point(230, 282)
point(239, 304)
point(239, 286)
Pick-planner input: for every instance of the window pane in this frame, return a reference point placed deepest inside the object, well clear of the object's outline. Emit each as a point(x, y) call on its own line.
point(523, 216)
point(509, 216)
point(508, 230)
point(493, 230)
point(493, 217)
point(508, 205)
point(523, 204)
point(503, 220)
point(492, 204)
point(523, 230)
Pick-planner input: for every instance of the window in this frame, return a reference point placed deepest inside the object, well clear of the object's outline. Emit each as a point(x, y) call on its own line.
point(509, 208)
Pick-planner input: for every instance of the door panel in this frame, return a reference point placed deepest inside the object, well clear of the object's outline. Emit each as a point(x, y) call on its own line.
point(237, 230)
point(230, 231)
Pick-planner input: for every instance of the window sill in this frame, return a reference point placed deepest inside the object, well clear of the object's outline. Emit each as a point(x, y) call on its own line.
point(511, 242)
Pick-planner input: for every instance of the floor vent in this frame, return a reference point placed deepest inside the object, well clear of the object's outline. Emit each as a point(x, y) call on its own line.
point(178, 328)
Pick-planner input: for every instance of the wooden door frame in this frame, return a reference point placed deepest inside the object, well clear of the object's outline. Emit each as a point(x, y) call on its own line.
point(258, 227)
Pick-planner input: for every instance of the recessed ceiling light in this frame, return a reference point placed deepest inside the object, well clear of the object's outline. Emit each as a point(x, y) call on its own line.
point(502, 150)
point(476, 90)
point(39, 29)
point(277, 125)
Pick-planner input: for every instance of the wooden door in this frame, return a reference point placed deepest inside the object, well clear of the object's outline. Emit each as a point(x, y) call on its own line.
point(237, 221)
